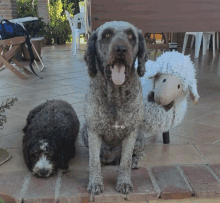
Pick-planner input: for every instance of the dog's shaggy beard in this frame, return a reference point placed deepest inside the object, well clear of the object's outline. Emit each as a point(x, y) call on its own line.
point(42, 164)
point(43, 167)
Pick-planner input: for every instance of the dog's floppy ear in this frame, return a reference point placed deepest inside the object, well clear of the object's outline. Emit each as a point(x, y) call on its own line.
point(90, 55)
point(142, 54)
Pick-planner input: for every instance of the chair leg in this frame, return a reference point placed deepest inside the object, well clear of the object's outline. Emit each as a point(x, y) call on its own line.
point(205, 42)
point(78, 40)
point(12, 69)
point(193, 38)
point(166, 137)
point(38, 58)
point(74, 45)
point(23, 69)
point(184, 43)
point(198, 43)
point(213, 44)
point(217, 40)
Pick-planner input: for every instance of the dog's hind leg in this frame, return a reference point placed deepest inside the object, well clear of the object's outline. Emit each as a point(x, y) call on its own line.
point(84, 134)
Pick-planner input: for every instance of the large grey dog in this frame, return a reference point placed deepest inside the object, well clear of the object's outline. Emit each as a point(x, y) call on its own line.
point(114, 105)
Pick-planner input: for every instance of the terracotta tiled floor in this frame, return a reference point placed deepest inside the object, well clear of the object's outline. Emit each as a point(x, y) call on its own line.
point(195, 141)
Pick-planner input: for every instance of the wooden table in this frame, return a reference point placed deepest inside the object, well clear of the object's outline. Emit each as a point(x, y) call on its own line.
point(23, 20)
point(159, 15)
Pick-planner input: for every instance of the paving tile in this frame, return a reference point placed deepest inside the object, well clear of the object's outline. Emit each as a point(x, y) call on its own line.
point(174, 140)
point(42, 189)
point(20, 99)
point(9, 142)
point(63, 90)
point(74, 75)
point(7, 198)
point(208, 103)
point(16, 163)
point(79, 141)
point(170, 155)
point(212, 119)
point(198, 131)
point(10, 114)
point(210, 153)
point(172, 184)
point(68, 98)
point(10, 84)
point(11, 184)
point(22, 108)
point(3, 83)
point(81, 159)
point(216, 168)
point(74, 186)
point(13, 125)
point(43, 94)
point(203, 183)
point(47, 85)
point(193, 114)
point(16, 90)
point(72, 81)
point(79, 96)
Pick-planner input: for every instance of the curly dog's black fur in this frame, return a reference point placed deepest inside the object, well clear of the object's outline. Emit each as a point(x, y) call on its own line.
point(50, 132)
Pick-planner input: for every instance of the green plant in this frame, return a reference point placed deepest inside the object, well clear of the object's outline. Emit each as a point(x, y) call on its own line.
point(26, 8)
point(29, 8)
point(7, 105)
point(61, 32)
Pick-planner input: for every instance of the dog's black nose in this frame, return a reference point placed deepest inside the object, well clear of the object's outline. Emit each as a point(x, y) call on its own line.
point(43, 172)
point(120, 49)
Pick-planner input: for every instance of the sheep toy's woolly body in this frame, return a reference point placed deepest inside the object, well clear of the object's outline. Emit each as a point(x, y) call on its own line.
point(157, 119)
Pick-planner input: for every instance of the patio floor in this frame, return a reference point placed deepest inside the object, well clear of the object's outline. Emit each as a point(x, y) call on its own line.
point(186, 168)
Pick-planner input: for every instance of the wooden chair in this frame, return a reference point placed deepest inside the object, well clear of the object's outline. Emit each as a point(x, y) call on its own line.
point(8, 56)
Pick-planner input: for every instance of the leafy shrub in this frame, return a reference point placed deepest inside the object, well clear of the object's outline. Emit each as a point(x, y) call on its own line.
point(58, 29)
point(7, 105)
point(27, 8)
point(61, 31)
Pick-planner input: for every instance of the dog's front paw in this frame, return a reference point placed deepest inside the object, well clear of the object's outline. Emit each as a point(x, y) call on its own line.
point(124, 186)
point(95, 187)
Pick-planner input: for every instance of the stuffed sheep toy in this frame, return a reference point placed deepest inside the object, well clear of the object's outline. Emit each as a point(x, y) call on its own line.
point(167, 83)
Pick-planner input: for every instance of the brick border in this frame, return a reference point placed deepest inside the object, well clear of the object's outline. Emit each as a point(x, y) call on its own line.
point(160, 182)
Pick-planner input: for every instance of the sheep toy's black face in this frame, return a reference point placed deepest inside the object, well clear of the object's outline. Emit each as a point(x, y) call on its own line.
point(43, 158)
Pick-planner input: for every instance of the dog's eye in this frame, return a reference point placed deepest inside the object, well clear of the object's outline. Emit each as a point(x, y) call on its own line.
point(107, 35)
point(130, 36)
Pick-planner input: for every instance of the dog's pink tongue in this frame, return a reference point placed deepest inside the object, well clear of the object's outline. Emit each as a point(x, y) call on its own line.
point(118, 74)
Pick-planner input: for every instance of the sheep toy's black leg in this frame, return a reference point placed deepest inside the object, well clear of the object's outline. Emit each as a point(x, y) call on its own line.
point(166, 137)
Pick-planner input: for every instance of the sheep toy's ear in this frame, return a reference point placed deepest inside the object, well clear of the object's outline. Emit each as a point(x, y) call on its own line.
point(154, 76)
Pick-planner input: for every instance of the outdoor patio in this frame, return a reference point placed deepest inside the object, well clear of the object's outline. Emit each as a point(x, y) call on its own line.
point(175, 171)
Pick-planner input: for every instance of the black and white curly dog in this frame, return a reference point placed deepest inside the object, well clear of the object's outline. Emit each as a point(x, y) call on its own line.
point(114, 109)
point(49, 140)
